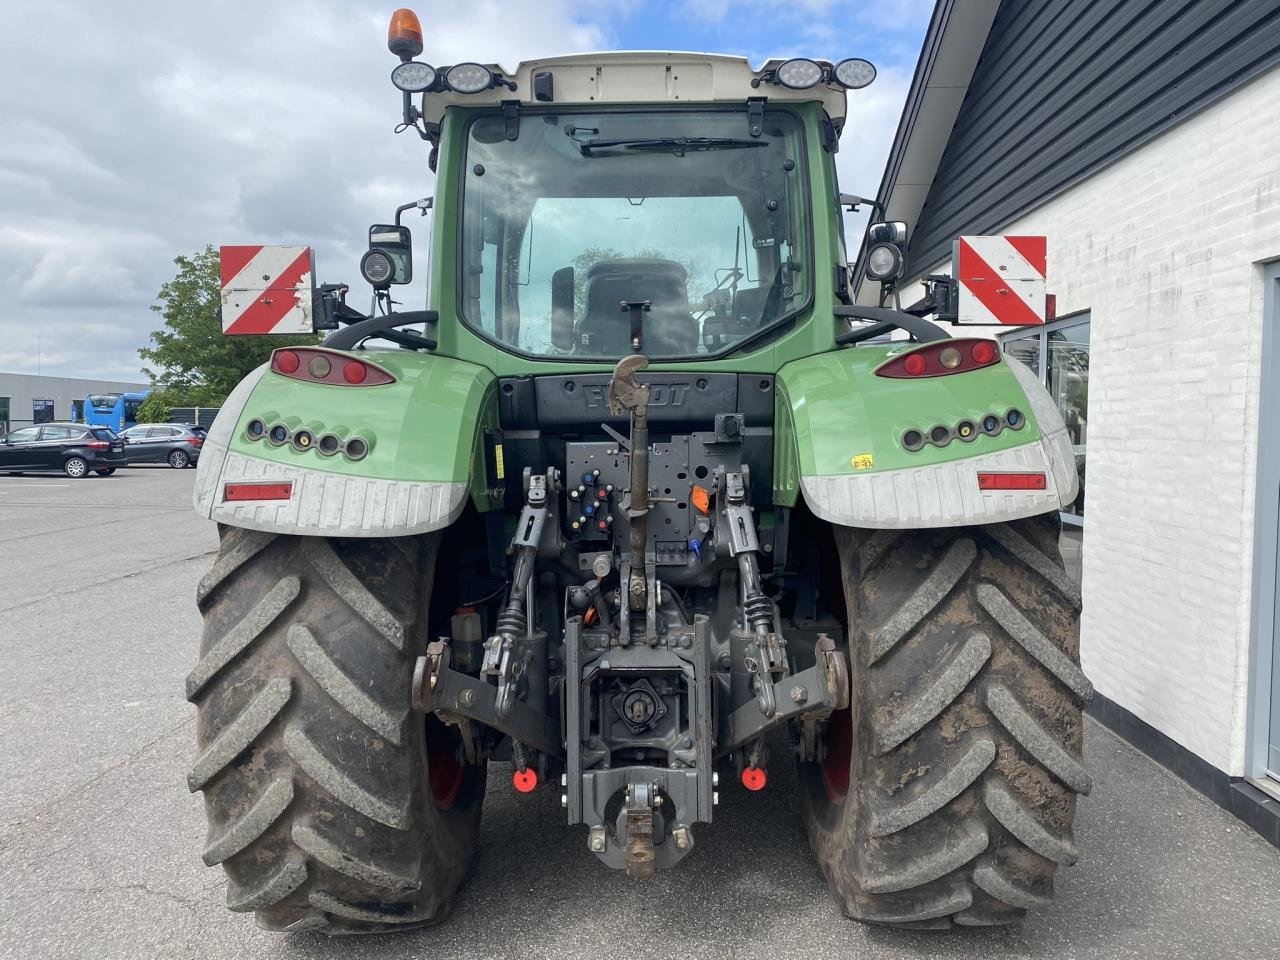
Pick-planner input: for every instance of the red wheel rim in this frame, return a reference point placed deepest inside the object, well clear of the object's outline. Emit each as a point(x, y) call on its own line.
point(838, 743)
point(445, 774)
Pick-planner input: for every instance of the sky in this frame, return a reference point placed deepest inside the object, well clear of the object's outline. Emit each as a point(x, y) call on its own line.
point(133, 132)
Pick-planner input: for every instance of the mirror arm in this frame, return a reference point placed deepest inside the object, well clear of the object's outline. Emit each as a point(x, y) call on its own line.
point(425, 204)
point(384, 328)
point(884, 320)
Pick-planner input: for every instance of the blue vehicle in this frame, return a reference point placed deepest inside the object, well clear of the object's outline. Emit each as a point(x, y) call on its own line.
point(119, 411)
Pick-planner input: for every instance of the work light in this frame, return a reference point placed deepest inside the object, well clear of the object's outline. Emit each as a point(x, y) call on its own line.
point(884, 262)
point(855, 73)
point(377, 269)
point(468, 78)
point(799, 74)
point(413, 76)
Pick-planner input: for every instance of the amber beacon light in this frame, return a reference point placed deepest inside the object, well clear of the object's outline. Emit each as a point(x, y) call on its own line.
point(404, 34)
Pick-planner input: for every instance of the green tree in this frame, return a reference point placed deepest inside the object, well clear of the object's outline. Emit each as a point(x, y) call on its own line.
point(157, 407)
point(192, 360)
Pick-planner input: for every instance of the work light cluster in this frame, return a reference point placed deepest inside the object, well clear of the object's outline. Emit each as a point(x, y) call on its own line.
point(966, 430)
point(279, 434)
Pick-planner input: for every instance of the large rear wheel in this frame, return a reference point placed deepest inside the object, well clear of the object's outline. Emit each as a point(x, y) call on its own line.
point(947, 790)
point(331, 804)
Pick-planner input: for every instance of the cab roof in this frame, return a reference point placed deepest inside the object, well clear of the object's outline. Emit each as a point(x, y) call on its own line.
point(640, 76)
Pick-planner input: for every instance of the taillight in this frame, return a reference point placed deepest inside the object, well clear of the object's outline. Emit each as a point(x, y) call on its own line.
point(941, 359)
point(194, 441)
point(326, 366)
point(97, 444)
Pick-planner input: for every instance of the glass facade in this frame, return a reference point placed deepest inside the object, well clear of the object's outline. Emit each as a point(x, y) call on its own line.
point(1058, 354)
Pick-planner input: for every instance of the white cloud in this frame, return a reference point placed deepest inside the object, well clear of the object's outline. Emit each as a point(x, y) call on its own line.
point(132, 132)
point(870, 125)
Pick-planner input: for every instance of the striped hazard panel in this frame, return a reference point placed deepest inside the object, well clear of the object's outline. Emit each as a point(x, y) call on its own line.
point(1001, 279)
point(266, 289)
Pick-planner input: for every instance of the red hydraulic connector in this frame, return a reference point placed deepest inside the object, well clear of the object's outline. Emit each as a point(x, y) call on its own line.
point(754, 778)
point(526, 780)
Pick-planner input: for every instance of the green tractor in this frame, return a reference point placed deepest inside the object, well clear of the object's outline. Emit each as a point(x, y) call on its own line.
point(643, 507)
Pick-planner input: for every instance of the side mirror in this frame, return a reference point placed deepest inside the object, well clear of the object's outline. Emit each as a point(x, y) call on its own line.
point(562, 308)
point(888, 231)
point(390, 256)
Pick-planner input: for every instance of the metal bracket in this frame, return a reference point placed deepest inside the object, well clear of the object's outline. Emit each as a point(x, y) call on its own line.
point(755, 115)
point(511, 118)
point(437, 688)
point(814, 693)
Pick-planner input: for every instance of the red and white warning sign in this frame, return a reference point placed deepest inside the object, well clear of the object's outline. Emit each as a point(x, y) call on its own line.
point(1001, 279)
point(266, 289)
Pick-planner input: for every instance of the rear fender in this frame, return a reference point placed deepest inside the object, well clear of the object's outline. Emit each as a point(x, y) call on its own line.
point(425, 434)
point(839, 443)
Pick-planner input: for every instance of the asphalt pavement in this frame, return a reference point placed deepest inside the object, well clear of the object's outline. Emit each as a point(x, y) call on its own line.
point(100, 841)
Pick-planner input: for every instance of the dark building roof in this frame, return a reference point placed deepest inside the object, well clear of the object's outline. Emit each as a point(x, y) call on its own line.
point(1013, 102)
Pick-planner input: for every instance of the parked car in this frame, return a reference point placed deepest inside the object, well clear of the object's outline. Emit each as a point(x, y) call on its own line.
point(173, 443)
point(74, 448)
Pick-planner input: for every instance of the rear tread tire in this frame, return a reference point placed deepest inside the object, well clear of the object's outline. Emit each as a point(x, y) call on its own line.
point(967, 727)
point(313, 833)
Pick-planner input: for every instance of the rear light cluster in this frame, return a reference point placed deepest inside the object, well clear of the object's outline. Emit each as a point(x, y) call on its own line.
point(941, 359)
point(966, 430)
point(354, 447)
point(97, 445)
point(327, 366)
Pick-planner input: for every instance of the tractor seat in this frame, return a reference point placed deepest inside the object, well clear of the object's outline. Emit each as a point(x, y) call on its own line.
point(669, 328)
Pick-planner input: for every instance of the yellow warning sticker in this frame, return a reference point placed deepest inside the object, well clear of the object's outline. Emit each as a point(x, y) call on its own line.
point(863, 461)
point(497, 462)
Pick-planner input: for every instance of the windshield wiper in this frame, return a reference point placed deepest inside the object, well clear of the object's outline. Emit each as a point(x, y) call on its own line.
point(677, 145)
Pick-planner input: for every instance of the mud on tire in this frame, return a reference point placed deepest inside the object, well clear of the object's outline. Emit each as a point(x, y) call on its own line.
point(330, 804)
point(949, 787)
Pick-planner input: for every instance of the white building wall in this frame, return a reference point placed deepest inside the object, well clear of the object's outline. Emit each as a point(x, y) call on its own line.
point(1164, 248)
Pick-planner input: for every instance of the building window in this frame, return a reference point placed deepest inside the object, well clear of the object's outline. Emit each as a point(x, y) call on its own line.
point(1058, 354)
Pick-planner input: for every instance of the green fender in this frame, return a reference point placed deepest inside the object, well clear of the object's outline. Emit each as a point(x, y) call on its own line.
point(838, 443)
point(426, 450)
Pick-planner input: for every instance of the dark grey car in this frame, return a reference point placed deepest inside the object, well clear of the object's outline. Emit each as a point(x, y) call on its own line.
point(175, 444)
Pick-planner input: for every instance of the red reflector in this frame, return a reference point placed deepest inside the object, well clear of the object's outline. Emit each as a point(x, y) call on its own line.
point(287, 361)
point(526, 780)
point(754, 778)
point(354, 372)
point(915, 364)
point(1011, 481)
point(257, 491)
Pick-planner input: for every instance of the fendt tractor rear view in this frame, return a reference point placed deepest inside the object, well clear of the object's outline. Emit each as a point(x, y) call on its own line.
point(641, 506)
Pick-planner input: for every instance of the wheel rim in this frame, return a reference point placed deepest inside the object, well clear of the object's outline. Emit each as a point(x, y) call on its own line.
point(76, 468)
point(445, 774)
point(177, 459)
point(837, 741)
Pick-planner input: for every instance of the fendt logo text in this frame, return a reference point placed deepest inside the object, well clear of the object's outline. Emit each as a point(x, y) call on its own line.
point(660, 394)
